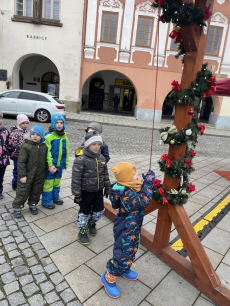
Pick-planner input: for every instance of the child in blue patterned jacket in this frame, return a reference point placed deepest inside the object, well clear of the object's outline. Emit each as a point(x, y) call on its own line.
point(130, 197)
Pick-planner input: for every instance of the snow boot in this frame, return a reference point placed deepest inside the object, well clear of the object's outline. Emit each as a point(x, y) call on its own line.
point(130, 275)
point(17, 213)
point(1, 196)
point(58, 202)
point(83, 237)
point(33, 209)
point(92, 227)
point(109, 282)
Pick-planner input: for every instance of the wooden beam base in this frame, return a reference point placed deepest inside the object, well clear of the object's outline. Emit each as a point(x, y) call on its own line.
point(218, 293)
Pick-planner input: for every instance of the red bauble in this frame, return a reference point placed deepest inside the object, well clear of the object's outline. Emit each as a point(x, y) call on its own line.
point(191, 112)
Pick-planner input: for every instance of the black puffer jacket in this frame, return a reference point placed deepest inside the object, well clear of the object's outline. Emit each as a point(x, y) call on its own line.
point(89, 173)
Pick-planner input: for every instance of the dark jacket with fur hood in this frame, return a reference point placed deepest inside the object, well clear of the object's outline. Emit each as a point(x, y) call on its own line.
point(89, 173)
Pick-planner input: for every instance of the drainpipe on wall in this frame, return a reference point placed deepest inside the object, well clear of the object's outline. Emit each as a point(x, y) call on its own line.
point(82, 54)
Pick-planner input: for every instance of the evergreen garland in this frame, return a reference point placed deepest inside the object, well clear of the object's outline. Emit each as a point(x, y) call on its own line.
point(185, 14)
point(182, 15)
point(195, 90)
point(173, 168)
point(181, 138)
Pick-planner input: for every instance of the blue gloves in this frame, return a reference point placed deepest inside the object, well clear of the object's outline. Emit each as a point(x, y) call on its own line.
point(149, 178)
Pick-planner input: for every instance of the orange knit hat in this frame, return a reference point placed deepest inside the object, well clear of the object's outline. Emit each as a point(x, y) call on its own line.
point(124, 172)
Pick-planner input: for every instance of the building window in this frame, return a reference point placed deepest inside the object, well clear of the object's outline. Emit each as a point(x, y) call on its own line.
point(144, 31)
point(174, 45)
point(109, 27)
point(214, 40)
point(24, 8)
point(51, 9)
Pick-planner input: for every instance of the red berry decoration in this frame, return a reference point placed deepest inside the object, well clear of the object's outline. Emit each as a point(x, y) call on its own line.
point(191, 112)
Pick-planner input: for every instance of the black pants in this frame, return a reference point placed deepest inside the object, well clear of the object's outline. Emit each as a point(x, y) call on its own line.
point(2, 172)
point(91, 202)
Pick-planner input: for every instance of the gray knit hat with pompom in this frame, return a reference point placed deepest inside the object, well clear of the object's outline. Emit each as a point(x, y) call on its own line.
point(96, 126)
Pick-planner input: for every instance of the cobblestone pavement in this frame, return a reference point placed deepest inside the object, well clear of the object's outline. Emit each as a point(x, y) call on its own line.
point(131, 140)
point(43, 263)
point(28, 275)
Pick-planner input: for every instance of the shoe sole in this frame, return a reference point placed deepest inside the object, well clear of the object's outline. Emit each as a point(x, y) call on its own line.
point(86, 243)
point(48, 207)
point(113, 297)
point(129, 278)
point(18, 217)
point(92, 234)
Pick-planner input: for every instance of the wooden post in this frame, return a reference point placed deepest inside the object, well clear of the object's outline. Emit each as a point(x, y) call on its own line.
point(199, 272)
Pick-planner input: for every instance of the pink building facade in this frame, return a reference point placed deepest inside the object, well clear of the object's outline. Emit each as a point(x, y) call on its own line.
point(119, 59)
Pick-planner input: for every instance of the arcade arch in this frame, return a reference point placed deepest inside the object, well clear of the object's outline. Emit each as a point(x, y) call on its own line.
point(102, 89)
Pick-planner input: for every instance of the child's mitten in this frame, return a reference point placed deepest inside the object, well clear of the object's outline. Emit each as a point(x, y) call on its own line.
point(149, 178)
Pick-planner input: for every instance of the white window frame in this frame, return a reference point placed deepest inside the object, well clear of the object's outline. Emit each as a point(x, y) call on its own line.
point(43, 10)
point(23, 15)
point(218, 20)
point(153, 14)
point(116, 8)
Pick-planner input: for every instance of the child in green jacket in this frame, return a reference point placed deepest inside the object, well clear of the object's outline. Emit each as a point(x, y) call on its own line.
point(58, 159)
point(32, 162)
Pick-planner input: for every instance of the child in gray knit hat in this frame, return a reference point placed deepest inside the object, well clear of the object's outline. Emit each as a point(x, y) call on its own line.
point(95, 126)
point(89, 178)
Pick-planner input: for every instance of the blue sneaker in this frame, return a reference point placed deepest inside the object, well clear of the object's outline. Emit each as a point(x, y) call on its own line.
point(34, 209)
point(18, 213)
point(110, 288)
point(130, 275)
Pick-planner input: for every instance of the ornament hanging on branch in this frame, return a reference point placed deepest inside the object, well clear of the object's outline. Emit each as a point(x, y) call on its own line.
point(191, 112)
point(177, 28)
point(175, 35)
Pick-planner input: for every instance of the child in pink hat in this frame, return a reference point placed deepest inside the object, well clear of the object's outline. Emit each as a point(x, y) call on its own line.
point(18, 134)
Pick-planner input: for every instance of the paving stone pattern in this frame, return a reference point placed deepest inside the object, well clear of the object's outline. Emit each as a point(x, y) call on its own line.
point(51, 267)
point(134, 139)
point(25, 278)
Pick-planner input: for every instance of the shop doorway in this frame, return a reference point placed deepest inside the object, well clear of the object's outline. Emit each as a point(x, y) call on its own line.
point(128, 99)
point(206, 109)
point(96, 94)
point(50, 84)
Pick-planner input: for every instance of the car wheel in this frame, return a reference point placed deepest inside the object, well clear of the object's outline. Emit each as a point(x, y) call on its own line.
point(42, 115)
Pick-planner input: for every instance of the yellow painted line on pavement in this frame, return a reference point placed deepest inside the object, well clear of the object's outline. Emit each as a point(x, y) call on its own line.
point(178, 245)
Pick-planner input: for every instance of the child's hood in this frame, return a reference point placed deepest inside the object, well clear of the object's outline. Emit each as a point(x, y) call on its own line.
point(12, 128)
point(116, 192)
point(79, 151)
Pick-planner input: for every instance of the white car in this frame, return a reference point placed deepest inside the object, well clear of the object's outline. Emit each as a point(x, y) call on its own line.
point(33, 104)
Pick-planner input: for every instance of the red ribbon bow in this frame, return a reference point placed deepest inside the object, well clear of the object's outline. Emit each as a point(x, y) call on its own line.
point(202, 128)
point(191, 187)
point(207, 12)
point(188, 163)
point(162, 192)
point(156, 183)
point(161, 19)
point(176, 35)
point(192, 152)
point(168, 163)
point(164, 157)
point(175, 85)
point(212, 89)
point(161, 2)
